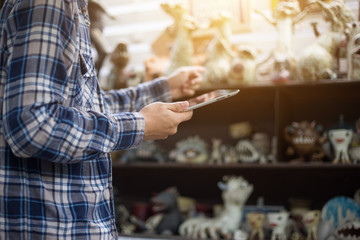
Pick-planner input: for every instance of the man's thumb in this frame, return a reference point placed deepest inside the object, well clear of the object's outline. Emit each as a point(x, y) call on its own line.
point(178, 106)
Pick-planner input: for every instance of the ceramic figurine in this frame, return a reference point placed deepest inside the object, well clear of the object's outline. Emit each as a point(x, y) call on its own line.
point(119, 59)
point(167, 217)
point(97, 14)
point(216, 154)
point(256, 221)
point(247, 152)
point(305, 141)
point(311, 220)
point(219, 52)
point(243, 66)
point(317, 61)
point(191, 150)
point(341, 215)
point(283, 68)
point(353, 49)
point(229, 154)
point(235, 192)
point(340, 139)
point(182, 51)
point(278, 222)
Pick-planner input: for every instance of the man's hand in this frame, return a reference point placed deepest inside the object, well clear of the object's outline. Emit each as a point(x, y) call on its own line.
point(162, 119)
point(185, 81)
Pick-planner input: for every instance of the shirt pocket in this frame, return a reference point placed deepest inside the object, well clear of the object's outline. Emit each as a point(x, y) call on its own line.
point(86, 84)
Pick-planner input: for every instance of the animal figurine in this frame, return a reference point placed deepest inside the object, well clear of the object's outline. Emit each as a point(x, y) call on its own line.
point(278, 223)
point(305, 141)
point(282, 65)
point(247, 152)
point(311, 220)
point(219, 53)
point(256, 221)
point(235, 192)
point(167, 217)
point(317, 61)
point(182, 49)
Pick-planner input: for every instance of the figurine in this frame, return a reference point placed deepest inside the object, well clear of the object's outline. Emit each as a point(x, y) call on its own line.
point(219, 53)
point(316, 62)
point(117, 77)
point(167, 217)
point(191, 150)
point(340, 138)
point(216, 155)
point(182, 50)
point(341, 216)
point(278, 223)
point(256, 221)
point(97, 12)
point(243, 66)
point(353, 49)
point(147, 151)
point(235, 192)
point(285, 16)
point(311, 220)
point(247, 152)
point(305, 141)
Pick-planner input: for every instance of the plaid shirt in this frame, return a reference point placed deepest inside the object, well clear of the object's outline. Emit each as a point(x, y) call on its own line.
point(57, 127)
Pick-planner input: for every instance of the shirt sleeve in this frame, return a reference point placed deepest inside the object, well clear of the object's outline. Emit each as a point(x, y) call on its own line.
point(37, 119)
point(135, 98)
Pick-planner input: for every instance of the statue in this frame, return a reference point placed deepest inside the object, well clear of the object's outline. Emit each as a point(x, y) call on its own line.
point(256, 222)
point(317, 61)
point(97, 13)
point(219, 52)
point(311, 220)
point(353, 50)
point(282, 61)
point(278, 222)
point(305, 141)
point(235, 192)
point(182, 50)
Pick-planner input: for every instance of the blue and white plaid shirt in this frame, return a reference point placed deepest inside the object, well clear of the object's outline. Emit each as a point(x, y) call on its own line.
point(57, 127)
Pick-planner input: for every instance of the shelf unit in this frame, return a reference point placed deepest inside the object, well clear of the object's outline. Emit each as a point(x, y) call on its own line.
point(269, 108)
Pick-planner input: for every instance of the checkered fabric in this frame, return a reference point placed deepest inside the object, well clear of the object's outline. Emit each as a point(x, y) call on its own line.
point(57, 126)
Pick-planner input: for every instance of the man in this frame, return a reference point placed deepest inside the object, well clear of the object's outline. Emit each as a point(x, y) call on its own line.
point(57, 127)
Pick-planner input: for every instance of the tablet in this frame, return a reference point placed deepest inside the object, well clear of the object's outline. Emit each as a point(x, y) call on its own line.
point(210, 97)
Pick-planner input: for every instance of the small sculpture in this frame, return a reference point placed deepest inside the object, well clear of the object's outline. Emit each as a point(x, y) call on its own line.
point(182, 50)
point(147, 151)
point(97, 12)
point(278, 223)
point(243, 66)
point(353, 50)
point(219, 53)
point(340, 138)
point(305, 141)
point(282, 61)
point(317, 61)
point(236, 191)
point(117, 77)
point(216, 154)
point(256, 221)
point(191, 150)
point(247, 152)
point(167, 217)
point(311, 220)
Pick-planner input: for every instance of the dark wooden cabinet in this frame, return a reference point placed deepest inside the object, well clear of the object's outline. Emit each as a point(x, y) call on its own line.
point(269, 108)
